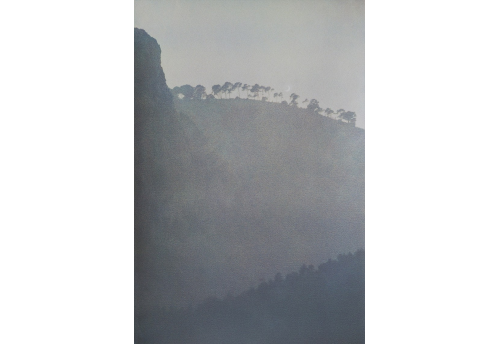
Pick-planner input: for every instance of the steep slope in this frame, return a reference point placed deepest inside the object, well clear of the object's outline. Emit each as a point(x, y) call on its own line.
point(162, 162)
point(175, 175)
point(298, 195)
point(320, 306)
point(155, 165)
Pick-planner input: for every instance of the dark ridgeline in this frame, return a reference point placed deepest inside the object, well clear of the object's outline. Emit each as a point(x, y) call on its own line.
point(155, 163)
point(229, 191)
point(316, 306)
point(257, 92)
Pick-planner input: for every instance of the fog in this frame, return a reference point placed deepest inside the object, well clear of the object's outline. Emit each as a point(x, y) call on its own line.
point(229, 192)
point(312, 48)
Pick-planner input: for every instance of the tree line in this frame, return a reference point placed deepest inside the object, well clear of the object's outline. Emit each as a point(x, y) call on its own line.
point(322, 306)
point(259, 92)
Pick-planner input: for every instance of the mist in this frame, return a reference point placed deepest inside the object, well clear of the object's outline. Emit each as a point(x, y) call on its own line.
point(233, 192)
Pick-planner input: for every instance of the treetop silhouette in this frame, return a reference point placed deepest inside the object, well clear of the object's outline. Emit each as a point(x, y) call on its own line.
point(260, 92)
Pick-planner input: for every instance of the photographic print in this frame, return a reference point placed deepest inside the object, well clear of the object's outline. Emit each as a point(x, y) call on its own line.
point(249, 163)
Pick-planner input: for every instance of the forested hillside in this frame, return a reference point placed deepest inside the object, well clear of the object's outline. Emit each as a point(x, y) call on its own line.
point(294, 190)
point(317, 306)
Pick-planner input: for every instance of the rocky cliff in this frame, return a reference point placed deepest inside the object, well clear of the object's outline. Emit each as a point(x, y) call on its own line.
point(158, 167)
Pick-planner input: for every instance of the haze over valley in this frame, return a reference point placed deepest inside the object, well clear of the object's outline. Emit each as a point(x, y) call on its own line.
point(243, 184)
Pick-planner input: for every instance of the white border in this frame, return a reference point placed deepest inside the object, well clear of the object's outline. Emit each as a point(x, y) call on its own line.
point(66, 245)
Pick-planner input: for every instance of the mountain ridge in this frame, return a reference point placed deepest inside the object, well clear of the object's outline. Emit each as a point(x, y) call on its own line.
point(230, 191)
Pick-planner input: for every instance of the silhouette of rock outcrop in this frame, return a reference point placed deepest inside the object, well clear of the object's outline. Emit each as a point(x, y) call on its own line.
point(158, 167)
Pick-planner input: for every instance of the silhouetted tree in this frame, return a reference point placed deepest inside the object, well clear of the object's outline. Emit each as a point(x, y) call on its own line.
point(187, 91)
point(199, 92)
point(262, 89)
point(246, 88)
point(255, 90)
point(328, 112)
point(348, 116)
point(216, 89)
point(267, 89)
point(237, 86)
point(227, 87)
point(294, 98)
point(313, 106)
point(176, 91)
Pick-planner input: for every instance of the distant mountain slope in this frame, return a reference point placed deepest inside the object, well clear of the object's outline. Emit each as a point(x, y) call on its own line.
point(320, 306)
point(230, 191)
point(296, 190)
point(277, 147)
point(301, 165)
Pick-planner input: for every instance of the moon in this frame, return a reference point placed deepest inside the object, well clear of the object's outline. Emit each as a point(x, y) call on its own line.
point(288, 89)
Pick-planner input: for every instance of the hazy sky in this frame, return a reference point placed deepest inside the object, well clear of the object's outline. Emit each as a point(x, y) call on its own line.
point(314, 48)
